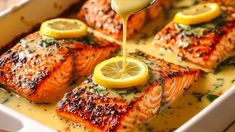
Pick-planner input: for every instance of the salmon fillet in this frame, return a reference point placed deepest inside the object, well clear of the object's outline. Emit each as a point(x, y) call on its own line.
point(222, 2)
point(99, 15)
point(40, 68)
point(102, 109)
point(205, 44)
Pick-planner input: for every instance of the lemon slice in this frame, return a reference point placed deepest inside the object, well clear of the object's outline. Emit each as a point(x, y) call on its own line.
point(110, 75)
point(63, 28)
point(198, 14)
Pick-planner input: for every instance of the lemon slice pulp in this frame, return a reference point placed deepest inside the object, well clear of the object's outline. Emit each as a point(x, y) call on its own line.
point(198, 14)
point(63, 28)
point(110, 75)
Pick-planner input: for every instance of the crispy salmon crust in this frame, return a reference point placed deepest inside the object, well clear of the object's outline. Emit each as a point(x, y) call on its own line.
point(102, 109)
point(99, 15)
point(40, 68)
point(221, 2)
point(205, 44)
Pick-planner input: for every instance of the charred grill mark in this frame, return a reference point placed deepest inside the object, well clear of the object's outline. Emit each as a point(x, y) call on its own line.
point(92, 107)
point(107, 10)
point(14, 57)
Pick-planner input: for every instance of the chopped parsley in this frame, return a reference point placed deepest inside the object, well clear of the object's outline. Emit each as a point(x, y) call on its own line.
point(88, 40)
point(219, 22)
point(2, 86)
point(195, 30)
point(228, 62)
point(219, 83)
point(127, 92)
point(98, 90)
point(212, 97)
point(233, 81)
point(199, 96)
point(199, 30)
point(47, 42)
point(138, 53)
point(5, 100)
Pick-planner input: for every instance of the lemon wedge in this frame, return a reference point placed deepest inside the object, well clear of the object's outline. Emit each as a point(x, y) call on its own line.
point(63, 28)
point(198, 14)
point(109, 73)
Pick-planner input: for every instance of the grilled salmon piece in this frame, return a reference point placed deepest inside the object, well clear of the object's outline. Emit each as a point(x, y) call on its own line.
point(221, 2)
point(99, 15)
point(102, 109)
point(41, 68)
point(205, 44)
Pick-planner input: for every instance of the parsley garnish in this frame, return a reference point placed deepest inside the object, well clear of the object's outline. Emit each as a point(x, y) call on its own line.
point(212, 97)
point(2, 86)
point(98, 90)
point(88, 40)
point(199, 95)
point(138, 54)
point(5, 100)
point(228, 62)
point(127, 92)
point(48, 42)
point(219, 22)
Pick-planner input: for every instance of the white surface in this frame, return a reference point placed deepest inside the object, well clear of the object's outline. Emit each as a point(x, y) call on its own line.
point(24, 15)
point(15, 122)
point(215, 117)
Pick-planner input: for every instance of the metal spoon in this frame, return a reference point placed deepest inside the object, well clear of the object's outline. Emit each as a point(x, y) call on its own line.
point(146, 7)
point(151, 3)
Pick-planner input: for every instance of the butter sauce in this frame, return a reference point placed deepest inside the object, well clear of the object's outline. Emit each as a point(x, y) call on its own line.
point(180, 111)
point(126, 8)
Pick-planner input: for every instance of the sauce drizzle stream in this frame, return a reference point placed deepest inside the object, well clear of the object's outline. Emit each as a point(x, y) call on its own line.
point(126, 8)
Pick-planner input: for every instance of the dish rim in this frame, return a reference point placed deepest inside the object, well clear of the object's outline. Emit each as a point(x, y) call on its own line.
point(188, 126)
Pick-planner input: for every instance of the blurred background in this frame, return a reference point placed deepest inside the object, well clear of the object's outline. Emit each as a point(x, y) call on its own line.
point(7, 3)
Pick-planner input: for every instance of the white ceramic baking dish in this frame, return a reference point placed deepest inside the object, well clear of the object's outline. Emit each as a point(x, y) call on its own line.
point(26, 14)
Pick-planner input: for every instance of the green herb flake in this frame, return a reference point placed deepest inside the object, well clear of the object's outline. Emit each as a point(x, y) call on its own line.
point(88, 40)
point(219, 22)
point(5, 100)
point(48, 42)
point(98, 90)
point(219, 83)
point(199, 96)
point(2, 86)
point(233, 81)
point(212, 97)
point(127, 92)
point(138, 54)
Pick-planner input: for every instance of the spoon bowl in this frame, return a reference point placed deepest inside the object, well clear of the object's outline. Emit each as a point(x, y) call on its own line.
point(147, 6)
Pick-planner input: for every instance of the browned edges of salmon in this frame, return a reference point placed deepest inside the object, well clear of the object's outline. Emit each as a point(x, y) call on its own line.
point(102, 109)
point(99, 15)
point(40, 68)
point(222, 2)
point(204, 44)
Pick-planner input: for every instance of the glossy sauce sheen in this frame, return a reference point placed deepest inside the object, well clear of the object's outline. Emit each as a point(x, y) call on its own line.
point(180, 111)
point(123, 8)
